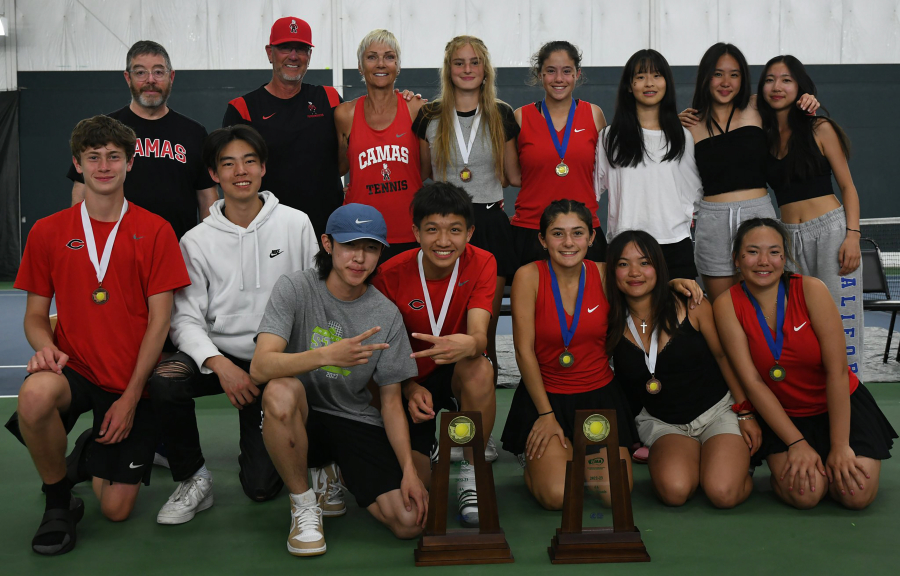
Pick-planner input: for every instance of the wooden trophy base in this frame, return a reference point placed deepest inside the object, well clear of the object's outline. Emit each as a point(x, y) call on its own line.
point(463, 547)
point(594, 545)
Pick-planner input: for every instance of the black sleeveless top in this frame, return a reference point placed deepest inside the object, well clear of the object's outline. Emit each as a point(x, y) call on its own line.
point(789, 188)
point(735, 160)
point(691, 380)
point(732, 161)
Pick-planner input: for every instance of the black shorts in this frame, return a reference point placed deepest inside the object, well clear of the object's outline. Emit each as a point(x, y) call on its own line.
point(127, 462)
point(528, 247)
point(679, 259)
point(363, 452)
point(871, 435)
point(523, 413)
point(421, 435)
point(492, 233)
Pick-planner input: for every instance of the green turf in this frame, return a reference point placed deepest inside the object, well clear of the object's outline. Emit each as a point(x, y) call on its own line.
point(6, 285)
point(236, 536)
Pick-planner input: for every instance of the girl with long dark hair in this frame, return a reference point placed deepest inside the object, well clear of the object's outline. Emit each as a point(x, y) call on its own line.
point(782, 334)
point(731, 151)
point(804, 152)
point(669, 354)
point(645, 160)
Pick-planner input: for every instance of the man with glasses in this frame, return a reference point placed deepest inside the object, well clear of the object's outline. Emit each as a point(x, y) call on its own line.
point(168, 177)
point(297, 121)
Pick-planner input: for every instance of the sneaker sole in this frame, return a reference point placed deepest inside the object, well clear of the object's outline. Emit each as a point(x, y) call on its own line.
point(334, 513)
point(174, 520)
point(306, 551)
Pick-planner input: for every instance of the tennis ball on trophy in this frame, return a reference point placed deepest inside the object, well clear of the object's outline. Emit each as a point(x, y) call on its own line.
point(596, 428)
point(462, 430)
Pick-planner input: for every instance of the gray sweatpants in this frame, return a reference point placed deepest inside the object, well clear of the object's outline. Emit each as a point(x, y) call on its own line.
point(815, 246)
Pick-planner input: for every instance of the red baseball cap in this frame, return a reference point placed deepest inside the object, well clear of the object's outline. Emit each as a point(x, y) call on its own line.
point(290, 29)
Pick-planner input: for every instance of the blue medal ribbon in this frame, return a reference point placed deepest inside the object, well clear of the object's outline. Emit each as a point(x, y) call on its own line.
point(567, 332)
point(560, 148)
point(776, 345)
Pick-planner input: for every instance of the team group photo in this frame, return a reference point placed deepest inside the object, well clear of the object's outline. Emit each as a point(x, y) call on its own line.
point(451, 312)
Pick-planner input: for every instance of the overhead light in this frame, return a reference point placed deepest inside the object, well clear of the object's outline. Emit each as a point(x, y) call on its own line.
point(3, 27)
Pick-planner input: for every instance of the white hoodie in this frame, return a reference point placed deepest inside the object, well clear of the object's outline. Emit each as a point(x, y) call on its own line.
point(232, 272)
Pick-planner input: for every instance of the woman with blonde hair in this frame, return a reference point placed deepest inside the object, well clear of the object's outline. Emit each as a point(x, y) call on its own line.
point(383, 156)
point(468, 137)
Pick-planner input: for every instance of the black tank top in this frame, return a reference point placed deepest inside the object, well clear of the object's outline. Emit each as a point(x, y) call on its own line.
point(733, 160)
point(691, 380)
point(789, 188)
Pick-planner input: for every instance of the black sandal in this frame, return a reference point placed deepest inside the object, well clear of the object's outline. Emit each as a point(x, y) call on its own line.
point(58, 520)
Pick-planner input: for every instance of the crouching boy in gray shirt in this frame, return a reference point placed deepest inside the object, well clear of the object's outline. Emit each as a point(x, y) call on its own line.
point(325, 333)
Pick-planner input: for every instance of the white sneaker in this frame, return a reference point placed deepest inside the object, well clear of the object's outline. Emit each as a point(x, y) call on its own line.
point(490, 452)
point(326, 483)
point(466, 495)
point(192, 495)
point(307, 537)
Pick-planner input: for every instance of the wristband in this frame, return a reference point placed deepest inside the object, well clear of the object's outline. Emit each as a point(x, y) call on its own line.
point(545, 413)
point(854, 230)
point(744, 406)
point(796, 441)
point(747, 417)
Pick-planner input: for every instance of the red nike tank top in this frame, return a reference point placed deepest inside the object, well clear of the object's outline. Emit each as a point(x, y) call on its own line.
point(385, 169)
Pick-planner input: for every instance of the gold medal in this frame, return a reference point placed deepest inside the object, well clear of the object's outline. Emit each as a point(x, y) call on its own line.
point(465, 174)
point(654, 386)
point(596, 428)
point(100, 295)
point(777, 372)
point(461, 429)
point(566, 359)
point(562, 169)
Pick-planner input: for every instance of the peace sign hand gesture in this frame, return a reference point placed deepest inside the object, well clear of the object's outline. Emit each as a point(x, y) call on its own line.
point(351, 351)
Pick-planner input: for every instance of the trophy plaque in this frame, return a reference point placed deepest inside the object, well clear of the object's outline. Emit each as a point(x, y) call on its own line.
point(485, 545)
point(574, 544)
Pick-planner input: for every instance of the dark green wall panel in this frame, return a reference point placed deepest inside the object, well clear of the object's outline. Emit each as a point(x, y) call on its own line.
point(53, 102)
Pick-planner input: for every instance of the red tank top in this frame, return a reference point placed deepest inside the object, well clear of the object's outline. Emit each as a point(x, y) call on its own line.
point(802, 392)
point(384, 169)
point(538, 158)
point(591, 368)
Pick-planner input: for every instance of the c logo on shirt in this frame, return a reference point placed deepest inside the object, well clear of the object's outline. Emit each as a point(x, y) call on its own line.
point(75, 244)
point(416, 304)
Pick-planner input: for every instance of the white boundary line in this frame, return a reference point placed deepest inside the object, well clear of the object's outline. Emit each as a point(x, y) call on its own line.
point(13, 396)
point(22, 366)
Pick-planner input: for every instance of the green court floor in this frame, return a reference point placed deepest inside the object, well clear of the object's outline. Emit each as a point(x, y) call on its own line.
point(238, 536)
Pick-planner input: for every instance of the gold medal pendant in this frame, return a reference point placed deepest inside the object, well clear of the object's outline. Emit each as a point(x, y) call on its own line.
point(465, 174)
point(100, 295)
point(777, 372)
point(562, 169)
point(653, 386)
point(566, 359)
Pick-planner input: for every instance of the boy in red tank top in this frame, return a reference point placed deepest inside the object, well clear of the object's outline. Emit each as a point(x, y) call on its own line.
point(112, 267)
point(445, 292)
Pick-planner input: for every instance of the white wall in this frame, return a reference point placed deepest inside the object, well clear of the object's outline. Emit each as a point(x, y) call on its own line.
point(230, 34)
point(7, 46)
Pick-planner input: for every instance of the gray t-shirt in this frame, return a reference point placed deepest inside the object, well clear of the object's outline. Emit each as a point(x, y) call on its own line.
point(302, 311)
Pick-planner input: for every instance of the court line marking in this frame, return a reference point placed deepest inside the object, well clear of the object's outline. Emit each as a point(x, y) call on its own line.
point(22, 366)
point(13, 396)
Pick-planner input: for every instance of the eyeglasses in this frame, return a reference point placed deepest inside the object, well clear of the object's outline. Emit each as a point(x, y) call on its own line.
point(141, 74)
point(288, 48)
